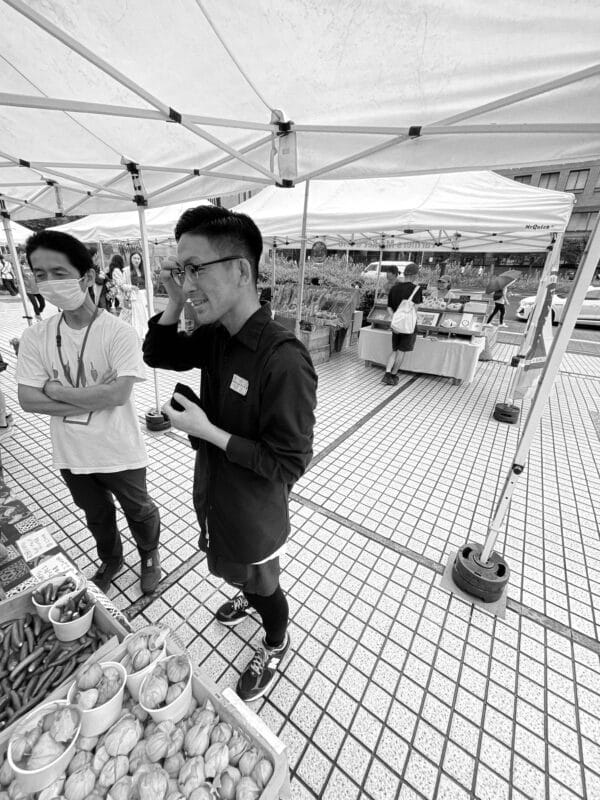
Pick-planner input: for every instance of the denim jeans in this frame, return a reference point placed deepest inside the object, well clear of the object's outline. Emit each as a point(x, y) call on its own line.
point(93, 493)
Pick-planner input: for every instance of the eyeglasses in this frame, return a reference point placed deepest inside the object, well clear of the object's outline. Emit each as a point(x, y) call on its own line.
point(193, 270)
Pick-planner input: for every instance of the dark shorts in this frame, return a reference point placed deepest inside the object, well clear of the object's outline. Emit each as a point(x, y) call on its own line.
point(405, 342)
point(262, 579)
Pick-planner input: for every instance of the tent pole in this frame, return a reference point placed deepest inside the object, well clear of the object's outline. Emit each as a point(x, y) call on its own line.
point(584, 277)
point(149, 290)
point(302, 261)
point(273, 282)
point(549, 276)
point(378, 271)
point(13, 254)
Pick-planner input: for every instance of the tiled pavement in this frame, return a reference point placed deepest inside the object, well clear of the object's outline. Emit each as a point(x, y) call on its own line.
point(395, 688)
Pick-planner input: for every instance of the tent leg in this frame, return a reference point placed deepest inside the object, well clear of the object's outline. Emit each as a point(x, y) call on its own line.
point(549, 276)
point(273, 281)
point(378, 272)
point(302, 261)
point(155, 419)
point(14, 255)
point(478, 570)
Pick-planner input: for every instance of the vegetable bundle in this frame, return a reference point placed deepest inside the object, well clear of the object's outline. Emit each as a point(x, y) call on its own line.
point(51, 592)
point(33, 663)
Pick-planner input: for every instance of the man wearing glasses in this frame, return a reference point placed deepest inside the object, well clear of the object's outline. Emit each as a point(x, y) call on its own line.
point(254, 425)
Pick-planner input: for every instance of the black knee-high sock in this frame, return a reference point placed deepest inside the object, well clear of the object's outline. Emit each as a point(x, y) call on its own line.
point(274, 612)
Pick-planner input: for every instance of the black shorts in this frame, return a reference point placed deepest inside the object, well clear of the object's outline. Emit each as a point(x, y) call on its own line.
point(262, 579)
point(404, 342)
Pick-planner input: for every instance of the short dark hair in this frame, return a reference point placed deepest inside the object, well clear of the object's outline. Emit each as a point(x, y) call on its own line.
point(75, 251)
point(226, 228)
point(393, 270)
point(411, 269)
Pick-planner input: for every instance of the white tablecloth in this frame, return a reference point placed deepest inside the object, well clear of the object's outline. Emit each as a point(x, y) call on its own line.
point(451, 358)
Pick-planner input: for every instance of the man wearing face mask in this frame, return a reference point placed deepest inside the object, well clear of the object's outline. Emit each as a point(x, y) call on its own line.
point(79, 367)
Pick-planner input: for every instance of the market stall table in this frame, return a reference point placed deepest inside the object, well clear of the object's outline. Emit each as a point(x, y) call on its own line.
point(447, 357)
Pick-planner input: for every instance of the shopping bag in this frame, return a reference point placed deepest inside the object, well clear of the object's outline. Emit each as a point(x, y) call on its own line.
point(405, 316)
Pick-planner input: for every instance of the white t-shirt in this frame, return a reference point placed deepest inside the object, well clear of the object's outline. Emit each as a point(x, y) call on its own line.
point(112, 439)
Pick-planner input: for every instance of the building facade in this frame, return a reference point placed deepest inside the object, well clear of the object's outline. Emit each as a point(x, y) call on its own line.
point(583, 180)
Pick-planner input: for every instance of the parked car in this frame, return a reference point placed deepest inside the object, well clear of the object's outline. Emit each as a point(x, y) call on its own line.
point(588, 315)
point(369, 274)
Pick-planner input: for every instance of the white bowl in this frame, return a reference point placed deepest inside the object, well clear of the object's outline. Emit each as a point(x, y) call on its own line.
point(44, 610)
point(176, 710)
point(69, 631)
point(35, 780)
point(135, 679)
point(95, 721)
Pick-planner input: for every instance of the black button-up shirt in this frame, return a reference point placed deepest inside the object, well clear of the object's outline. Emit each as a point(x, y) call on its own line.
point(260, 386)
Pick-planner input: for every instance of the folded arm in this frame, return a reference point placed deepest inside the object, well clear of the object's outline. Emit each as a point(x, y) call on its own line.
point(92, 398)
point(33, 399)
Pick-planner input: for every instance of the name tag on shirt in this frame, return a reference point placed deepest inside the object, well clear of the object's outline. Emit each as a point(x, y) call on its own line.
point(239, 385)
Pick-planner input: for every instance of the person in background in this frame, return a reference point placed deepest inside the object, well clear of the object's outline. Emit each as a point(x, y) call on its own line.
point(5, 416)
point(8, 276)
point(500, 302)
point(115, 278)
point(33, 293)
point(401, 342)
point(254, 425)
point(391, 278)
point(79, 368)
point(136, 266)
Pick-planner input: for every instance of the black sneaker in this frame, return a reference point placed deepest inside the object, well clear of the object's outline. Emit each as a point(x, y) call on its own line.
point(260, 673)
point(388, 379)
point(151, 572)
point(106, 573)
point(234, 611)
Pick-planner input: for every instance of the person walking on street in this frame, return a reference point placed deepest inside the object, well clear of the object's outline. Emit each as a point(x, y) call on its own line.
point(253, 427)
point(500, 303)
point(8, 276)
point(79, 368)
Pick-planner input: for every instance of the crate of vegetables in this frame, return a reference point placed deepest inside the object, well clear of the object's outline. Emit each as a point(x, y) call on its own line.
point(35, 665)
point(217, 750)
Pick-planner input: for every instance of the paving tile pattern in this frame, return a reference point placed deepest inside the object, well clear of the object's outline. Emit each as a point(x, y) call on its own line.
point(396, 689)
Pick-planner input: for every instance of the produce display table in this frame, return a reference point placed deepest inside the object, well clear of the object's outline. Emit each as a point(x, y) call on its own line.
point(447, 357)
point(36, 668)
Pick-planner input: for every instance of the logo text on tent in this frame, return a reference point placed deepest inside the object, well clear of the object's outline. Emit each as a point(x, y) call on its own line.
point(537, 227)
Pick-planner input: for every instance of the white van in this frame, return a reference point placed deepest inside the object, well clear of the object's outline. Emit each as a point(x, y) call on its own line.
point(369, 275)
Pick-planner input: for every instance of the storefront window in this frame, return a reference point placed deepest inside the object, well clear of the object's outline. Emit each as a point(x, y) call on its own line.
point(523, 179)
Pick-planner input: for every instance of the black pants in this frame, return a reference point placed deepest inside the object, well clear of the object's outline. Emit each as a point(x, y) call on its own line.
point(94, 495)
point(274, 613)
point(38, 303)
point(10, 287)
point(498, 307)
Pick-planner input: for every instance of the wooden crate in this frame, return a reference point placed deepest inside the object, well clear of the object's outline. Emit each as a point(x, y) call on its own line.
point(234, 711)
point(231, 709)
point(20, 605)
point(317, 342)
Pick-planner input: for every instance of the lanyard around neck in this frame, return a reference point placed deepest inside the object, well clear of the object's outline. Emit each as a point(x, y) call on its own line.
point(65, 367)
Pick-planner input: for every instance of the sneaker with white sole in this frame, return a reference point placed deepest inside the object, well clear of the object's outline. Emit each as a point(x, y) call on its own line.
point(234, 611)
point(260, 674)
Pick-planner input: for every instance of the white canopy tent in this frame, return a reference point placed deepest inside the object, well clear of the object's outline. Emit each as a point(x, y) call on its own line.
point(147, 102)
point(19, 232)
point(296, 91)
point(464, 211)
point(123, 225)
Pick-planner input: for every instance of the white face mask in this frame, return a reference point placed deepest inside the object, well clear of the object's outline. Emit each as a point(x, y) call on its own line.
point(67, 294)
